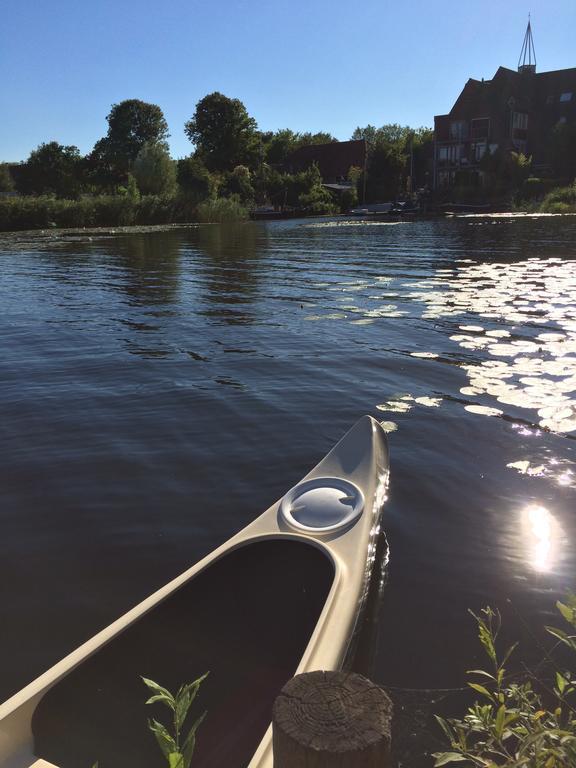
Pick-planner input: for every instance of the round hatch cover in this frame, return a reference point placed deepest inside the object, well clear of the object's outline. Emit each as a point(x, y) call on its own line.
point(322, 505)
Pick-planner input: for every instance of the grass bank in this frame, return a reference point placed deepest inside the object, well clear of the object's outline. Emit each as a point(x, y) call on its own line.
point(26, 213)
point(560, 200)
point(536, 199)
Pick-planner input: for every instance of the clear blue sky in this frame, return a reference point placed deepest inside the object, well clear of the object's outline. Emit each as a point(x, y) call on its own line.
point(307, 65)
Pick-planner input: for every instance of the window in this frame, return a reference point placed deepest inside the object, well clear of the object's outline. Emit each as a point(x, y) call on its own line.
point(566, 96)
point(480, 127)
point(458, 129)
point(478, 151)
point(450, 153)
point(519, 121)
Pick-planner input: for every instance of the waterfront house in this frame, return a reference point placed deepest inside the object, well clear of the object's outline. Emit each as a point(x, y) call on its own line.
point(514, 111)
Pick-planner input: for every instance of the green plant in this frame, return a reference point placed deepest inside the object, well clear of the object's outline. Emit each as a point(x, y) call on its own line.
point(560, 200)
point(221, 210)
point(177, 750)
point(527, 723)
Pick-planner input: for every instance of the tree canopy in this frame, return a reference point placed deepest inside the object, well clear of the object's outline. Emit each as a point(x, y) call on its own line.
point(51, 168)
point(394, 153)
point(132, 124)
point(194, 178)
point(223, 133)
point(280, 144)
point(154, 170)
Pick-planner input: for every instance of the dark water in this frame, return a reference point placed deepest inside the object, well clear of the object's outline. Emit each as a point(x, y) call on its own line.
point(158, 391)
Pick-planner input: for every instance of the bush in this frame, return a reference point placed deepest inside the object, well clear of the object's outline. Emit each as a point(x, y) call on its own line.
point(157, 209)
point(318, 202)
point(114, 211)
point(75, 213)
point(223, 209)
point(535, 189)
point(560, 200)
point(20, 213)
point(238, 182)
point(348, 200)
point(154, 171)
point(521, 723)
point(6, 181)
point(26, 213)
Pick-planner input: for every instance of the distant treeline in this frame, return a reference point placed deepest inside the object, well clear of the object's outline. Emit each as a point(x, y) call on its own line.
point(129, 176)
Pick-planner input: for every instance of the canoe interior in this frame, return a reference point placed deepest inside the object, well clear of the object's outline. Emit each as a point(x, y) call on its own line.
point(247, 618)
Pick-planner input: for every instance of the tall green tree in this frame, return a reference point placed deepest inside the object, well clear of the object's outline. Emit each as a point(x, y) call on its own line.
point(321, 137)
point(194, 179)
point(154, 170)
point(223, 133)
point(395, 152)
point(279, 145)
point(132, 124)
point(52, 168)
point(239, 183)
point(305, 190)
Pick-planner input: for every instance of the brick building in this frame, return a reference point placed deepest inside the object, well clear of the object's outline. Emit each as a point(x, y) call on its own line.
point(514, 111)
point(334, 160)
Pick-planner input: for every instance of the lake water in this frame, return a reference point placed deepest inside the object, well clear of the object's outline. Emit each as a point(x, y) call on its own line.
point(159, 390)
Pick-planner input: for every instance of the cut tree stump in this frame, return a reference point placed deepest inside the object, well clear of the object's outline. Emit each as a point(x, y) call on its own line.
point(335, 719)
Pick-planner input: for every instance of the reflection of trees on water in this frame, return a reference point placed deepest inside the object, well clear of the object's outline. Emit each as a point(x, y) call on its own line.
point(230, 271)
point(149, 263)
point(151, 266)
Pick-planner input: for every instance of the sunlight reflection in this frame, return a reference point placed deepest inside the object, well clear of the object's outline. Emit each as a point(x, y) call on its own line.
point(541, 533)
point(559, 472)
point(566, 478)
point(522, 369)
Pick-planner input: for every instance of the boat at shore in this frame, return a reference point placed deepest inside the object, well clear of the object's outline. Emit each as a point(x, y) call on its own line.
point(281, 597)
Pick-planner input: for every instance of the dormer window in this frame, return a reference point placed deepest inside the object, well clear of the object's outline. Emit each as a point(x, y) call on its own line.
point(567, 96)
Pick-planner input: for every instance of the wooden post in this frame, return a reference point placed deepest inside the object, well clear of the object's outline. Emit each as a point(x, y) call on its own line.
point(331, 720)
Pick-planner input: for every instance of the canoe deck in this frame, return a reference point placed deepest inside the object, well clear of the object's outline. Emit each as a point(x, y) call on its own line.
point(247, 619)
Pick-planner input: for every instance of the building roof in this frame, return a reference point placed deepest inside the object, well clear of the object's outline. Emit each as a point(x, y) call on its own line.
point(540, 90)
point(334, 159)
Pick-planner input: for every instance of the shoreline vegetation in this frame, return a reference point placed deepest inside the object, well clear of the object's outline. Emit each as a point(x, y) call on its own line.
point(101, 213)
point(235, 168)
point(88, 212)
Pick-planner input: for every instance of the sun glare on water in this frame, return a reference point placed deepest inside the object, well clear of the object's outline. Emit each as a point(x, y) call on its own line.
point(542, 537)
